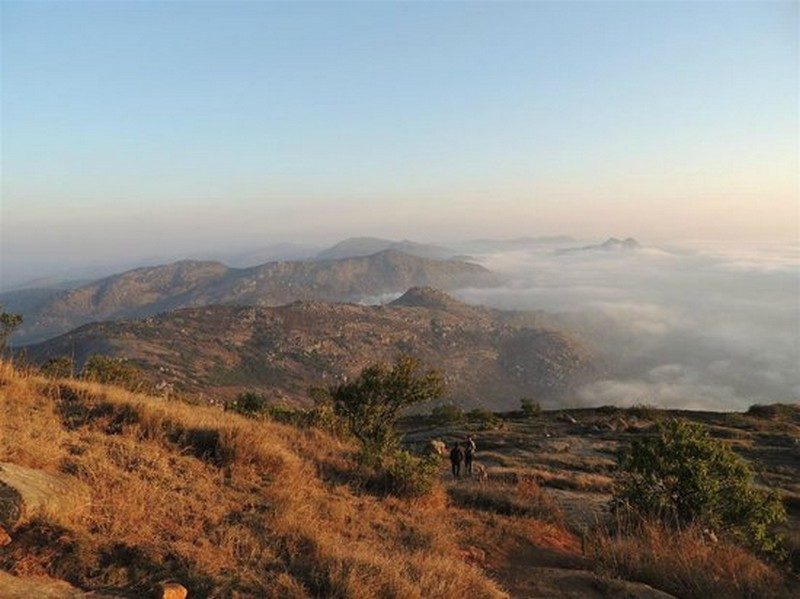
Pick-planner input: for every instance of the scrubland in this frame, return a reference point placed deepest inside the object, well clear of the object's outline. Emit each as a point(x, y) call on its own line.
point(232, 506)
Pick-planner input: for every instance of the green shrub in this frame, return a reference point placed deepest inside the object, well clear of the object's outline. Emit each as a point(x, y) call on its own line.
point(370, 404)
point(9, 323)
point(530, 408)
point(248, 403)
point(409, 476)
point(61, 367)
point(683, 475)
point(447, 414)
point(113, 371)
point(483, 418)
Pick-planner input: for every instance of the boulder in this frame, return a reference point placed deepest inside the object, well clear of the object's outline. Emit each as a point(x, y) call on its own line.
point(40, 587)
point(27, 492)
point(171, 590)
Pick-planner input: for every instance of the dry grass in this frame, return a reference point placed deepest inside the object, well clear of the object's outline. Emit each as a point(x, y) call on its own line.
point(521, 498)
point(685, 563)
point(224, 504)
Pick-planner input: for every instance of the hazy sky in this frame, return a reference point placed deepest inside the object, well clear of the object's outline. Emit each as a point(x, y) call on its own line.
point(159, 127)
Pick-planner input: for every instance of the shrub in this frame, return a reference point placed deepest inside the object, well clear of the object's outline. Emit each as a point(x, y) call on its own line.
point(776, 411)
point(370, 405)
point(447, 414)
point(61, 367)
point(685, 563)
point(248, 403)
point(483, 418)
point(684, 476)
point(409, 476)
point(8, 324)
point(530, 408)
point(113, 371)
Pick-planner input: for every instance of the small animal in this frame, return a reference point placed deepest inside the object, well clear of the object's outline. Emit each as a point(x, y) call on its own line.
point(480, 472)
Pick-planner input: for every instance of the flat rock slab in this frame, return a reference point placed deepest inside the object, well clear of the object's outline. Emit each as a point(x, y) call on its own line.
point(26, 492)
point(15, 587)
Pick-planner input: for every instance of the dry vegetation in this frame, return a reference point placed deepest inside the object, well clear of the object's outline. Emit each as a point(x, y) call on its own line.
point(220, 502)
point(686, 563)
point(239, 507)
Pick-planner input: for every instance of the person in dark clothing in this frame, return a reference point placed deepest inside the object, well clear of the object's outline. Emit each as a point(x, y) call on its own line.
point(456, 457)
point(469, 453)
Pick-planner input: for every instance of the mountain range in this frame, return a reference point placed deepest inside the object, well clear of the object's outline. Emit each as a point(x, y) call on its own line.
point(490, 357)
point(151, 290)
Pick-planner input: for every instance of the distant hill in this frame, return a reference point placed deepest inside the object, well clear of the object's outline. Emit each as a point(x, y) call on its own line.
point(612, 244)
point(365, 246)
point(490, 359)
point(146, 291)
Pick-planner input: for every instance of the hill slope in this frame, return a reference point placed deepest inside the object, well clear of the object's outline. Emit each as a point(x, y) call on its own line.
point(491, 360)
point(146, 291)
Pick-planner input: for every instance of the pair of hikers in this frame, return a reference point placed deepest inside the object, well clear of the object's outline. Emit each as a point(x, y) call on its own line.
point(465, 454)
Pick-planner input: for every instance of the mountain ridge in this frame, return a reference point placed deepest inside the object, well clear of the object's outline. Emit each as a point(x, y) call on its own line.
point(188, 283)
point(489, 358)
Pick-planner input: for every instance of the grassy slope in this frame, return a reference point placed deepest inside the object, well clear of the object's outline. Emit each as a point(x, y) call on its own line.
point(236, 507)
point(216, 501)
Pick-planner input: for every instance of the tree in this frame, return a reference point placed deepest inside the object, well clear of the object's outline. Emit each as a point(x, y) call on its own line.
point(371, 403)
point(683, 475)
point(8, 324)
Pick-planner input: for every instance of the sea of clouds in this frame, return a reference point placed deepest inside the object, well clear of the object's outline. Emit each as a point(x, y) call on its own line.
point(705, 327)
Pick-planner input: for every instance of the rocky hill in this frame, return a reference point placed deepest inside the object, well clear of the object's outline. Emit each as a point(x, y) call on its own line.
point(490, 357)
point(146, 291)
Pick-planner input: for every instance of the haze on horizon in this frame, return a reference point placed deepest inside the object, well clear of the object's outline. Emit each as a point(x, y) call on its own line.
point(134, 130)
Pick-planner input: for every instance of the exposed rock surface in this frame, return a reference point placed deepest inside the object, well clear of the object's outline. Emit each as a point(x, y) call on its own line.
point(26, 492)
point(16, 587)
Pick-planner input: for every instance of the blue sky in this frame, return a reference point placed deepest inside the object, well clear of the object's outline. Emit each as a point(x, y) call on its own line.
point(142, 127)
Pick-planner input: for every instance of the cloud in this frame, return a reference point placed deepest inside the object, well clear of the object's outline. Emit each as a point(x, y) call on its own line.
point(706, 326)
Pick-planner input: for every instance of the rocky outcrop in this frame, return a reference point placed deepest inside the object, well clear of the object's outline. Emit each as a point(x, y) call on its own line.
point(26, 492)
point(41, 587)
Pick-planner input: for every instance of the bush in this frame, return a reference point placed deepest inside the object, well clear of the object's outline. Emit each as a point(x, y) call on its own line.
point(248, 403)
point(61, 367)
point(683, 476)
point(113, 371)
point(530, 408)
point(483, 418)
point(409, 476)
point(370, 405)
point(8, 324)
point(447, 414)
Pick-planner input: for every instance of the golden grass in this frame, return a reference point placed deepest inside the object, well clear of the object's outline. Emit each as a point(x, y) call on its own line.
point(223, 504)
point(685, 563)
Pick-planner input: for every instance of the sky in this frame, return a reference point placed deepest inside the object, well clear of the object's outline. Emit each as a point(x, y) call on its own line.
point(160, 128)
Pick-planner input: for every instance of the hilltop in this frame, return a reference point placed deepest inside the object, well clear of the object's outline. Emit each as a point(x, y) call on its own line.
point(151, 290)
point(492, 357)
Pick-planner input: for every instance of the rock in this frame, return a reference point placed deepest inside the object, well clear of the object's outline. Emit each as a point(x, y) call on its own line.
point(4, 538)
point(171, 590)
point(437, 447)
point(40, 587)
point(26, 492)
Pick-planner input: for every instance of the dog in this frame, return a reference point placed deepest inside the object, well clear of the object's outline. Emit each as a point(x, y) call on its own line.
point(480, 473)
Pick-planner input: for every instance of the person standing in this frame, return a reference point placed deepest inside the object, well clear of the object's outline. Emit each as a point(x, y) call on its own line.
point(469, 453)
point(456, 457)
